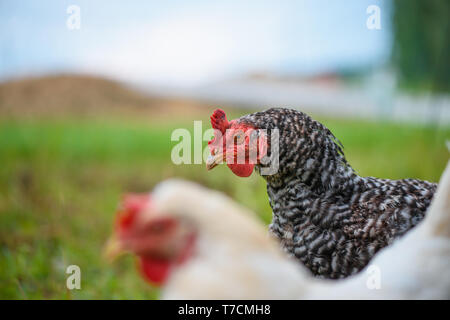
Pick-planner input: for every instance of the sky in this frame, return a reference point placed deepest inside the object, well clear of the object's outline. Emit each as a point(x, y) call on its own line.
point(189, 43)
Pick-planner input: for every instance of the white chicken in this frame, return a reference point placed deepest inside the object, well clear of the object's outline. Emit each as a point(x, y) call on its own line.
point(199, 244)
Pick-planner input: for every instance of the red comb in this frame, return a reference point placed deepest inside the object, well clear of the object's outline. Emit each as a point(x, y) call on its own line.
point(130, 206)
point(219, 120)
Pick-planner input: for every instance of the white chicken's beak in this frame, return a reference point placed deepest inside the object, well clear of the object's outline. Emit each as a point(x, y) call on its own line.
point(214, 160)
point(113, 249)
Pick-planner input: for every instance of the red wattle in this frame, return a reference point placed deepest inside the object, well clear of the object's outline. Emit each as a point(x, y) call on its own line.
point(155, 271)
point(241, 170)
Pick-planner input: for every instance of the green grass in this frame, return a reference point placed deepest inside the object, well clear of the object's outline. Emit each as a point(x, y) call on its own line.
point(61, 179)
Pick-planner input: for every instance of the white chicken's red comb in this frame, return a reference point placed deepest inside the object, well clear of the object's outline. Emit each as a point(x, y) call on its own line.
point(131, 204)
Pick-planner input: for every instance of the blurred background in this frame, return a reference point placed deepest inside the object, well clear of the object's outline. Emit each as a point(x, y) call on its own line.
point(90, 93)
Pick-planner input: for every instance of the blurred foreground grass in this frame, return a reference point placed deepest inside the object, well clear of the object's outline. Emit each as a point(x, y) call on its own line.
point(62, 177)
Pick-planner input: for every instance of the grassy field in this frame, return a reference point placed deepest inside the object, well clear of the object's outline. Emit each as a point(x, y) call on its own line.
point(61, 178)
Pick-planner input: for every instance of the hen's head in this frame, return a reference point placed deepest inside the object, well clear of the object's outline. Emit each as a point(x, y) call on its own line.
point(159, 239)
point(290, 139)
point(163, 229)
point(240, 144)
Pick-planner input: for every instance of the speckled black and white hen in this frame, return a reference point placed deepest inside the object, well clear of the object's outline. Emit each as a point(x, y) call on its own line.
point(324, 213)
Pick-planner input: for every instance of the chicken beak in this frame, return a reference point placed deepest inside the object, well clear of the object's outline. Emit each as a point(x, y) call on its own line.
point(214, 160)
point(113, 249)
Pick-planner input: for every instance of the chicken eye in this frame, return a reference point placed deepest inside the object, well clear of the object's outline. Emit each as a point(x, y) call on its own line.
point(239, 138)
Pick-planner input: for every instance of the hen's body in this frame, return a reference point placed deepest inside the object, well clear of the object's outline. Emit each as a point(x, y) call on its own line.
point(324, 214)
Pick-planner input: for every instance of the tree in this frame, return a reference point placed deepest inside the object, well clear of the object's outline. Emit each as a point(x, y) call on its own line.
point(421, 44)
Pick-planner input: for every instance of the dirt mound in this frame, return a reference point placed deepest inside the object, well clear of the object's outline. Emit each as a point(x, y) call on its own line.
point(82, 94)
